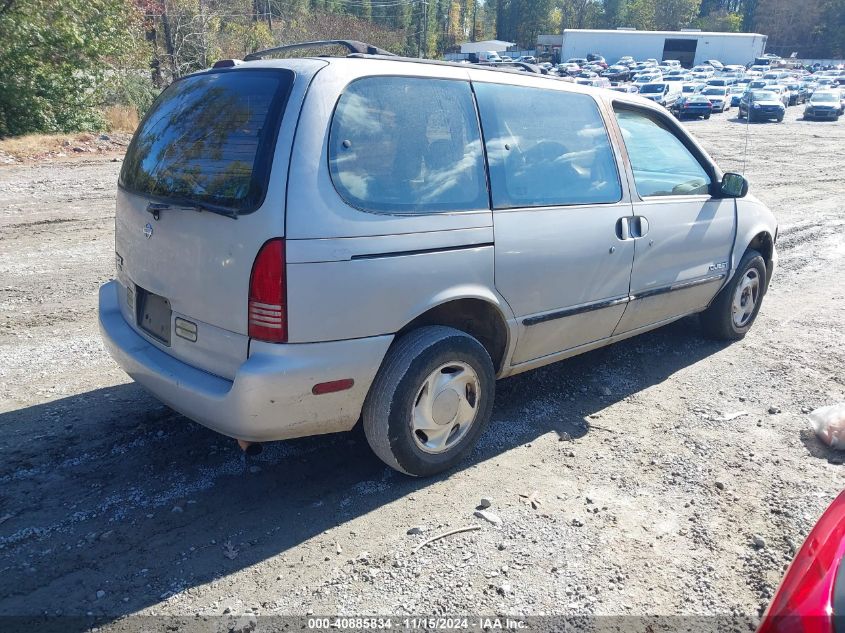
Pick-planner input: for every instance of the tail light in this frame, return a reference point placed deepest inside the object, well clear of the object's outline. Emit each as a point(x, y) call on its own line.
point(808, 596)
point(268, 319)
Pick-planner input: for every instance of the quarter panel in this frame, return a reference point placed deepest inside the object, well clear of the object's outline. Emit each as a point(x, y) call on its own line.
point(368, 297)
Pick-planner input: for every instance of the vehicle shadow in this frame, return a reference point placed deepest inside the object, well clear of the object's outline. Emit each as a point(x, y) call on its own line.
point(122, 495)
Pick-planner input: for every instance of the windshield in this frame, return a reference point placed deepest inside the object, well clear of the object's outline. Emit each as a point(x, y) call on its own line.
point(824, 97)
point(652, 88)
point(763, 95)
point(208, 140)
point(713, 91)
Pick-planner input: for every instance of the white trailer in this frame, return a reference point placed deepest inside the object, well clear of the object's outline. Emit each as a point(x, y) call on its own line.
point(689, 47)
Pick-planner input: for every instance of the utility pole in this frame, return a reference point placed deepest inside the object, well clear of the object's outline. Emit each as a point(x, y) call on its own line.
point(474, 12)
point(269, 17)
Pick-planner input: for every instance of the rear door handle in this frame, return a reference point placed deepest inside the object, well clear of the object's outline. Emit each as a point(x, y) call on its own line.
point(639, 227)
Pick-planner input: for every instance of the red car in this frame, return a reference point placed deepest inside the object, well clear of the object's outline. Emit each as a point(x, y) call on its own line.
point(811, 597)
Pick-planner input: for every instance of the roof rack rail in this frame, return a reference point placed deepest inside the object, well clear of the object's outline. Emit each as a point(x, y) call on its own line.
point(353, 46)
point(525, 66)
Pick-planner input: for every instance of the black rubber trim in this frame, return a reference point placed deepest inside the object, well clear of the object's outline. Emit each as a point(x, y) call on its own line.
point(607, 303)
point(679, 286)
point(560, 314)
point(838, 599)
point(422, 251)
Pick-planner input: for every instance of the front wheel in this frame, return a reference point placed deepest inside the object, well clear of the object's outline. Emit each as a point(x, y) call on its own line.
point(734, 309)
point(431, 400)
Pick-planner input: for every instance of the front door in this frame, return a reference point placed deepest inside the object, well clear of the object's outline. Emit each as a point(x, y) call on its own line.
point(683, 236)
point(558, 207)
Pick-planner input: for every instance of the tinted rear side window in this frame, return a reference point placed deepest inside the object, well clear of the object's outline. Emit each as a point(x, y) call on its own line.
point(546, 147)
point(209, 139)
point(408, 145)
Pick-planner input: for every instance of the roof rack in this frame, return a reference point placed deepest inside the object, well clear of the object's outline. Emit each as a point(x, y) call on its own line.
point(354, 46)
point(363, 50)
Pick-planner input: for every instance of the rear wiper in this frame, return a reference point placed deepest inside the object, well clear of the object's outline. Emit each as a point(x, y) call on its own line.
point(157, 207)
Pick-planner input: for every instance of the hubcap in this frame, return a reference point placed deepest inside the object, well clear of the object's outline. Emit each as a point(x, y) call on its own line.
point(745, 298)
point(445, 407)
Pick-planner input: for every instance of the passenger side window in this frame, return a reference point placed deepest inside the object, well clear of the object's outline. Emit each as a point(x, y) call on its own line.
point(408, 145)
point(662, 164)
point(546, 147)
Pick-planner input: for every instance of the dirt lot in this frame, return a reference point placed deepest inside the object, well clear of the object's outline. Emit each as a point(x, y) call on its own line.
point(111, 504)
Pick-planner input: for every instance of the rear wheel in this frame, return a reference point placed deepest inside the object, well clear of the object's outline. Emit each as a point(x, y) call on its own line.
point(735, 308)
point(430, 401)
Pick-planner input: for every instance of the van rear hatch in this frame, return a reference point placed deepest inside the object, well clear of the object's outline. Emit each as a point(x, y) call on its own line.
point(200, 191)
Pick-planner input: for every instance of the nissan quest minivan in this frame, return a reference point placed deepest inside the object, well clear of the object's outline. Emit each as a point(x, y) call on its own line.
point(305, 243)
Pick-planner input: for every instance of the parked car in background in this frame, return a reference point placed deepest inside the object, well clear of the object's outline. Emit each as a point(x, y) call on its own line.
point(721, 81)
point(718, 96)
point(823, 105)
point(692, 106)
point(646, 78)
point(758, 84)
point(526, 59)
point(567, 68)
point(617, 73)
point(625, 60)
point(704, 69)
point(258, 195)
point(692, 88)
point(761, 105)
point(798, 93)
point(714, 63)
point(485, 56)
point(735, 93)
point(580, 61)
point(661, 92)
point(781, 91)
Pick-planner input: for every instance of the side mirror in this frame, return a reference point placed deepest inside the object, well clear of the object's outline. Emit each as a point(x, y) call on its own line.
point(734, 186)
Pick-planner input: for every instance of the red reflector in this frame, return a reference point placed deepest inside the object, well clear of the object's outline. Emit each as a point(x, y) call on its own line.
point(333, 386)
point(267, 310)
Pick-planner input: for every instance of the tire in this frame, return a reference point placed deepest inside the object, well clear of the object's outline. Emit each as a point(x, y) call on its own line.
point(718, 321)
point(706, 116)
point(417, 364)
point(780, 119)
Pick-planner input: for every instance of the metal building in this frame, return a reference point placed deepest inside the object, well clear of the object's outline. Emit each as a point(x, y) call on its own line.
point(691, 47)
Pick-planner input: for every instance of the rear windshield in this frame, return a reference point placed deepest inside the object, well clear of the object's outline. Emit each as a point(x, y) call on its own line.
point(209, 139)
point(652, 88)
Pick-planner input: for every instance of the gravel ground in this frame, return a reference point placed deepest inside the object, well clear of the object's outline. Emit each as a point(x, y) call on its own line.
point(652, 495)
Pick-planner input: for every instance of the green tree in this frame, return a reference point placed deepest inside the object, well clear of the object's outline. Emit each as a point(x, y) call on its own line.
point(671, 15)
point(54, 56)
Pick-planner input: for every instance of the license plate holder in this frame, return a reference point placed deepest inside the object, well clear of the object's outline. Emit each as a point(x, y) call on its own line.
point(154, 314)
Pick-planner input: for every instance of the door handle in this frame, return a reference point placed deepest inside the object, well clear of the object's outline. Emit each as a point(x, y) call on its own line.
point(623, 228)
point(640, 226)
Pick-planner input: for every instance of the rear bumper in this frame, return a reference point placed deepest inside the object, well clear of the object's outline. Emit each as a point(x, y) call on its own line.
point(270, 397)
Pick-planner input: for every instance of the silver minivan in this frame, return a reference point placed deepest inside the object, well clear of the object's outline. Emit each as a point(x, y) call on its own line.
point(303, 244)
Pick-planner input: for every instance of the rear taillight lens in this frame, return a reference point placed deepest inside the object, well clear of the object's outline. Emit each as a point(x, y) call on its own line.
point(804, 602)
point(268, 294)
